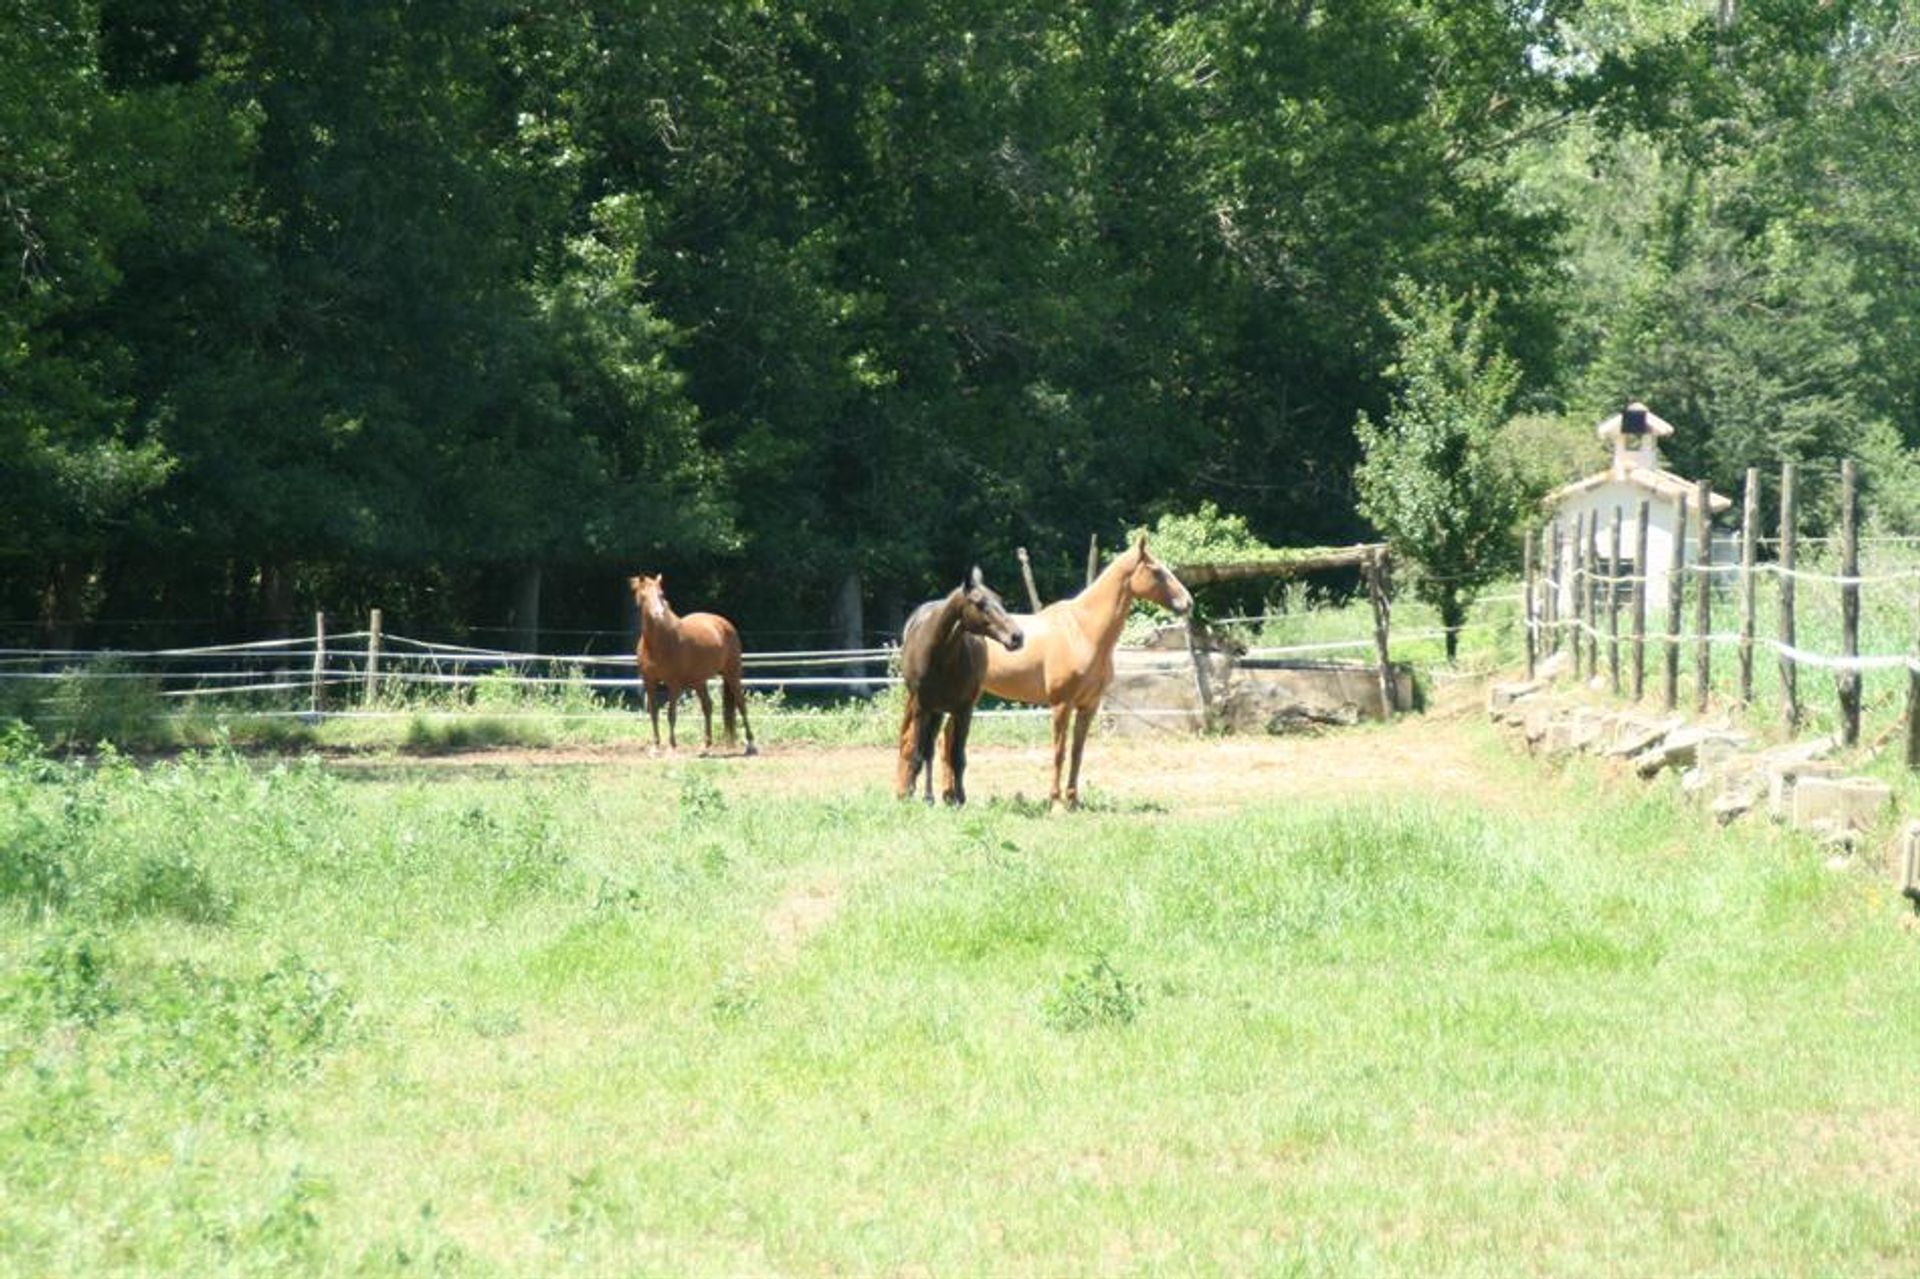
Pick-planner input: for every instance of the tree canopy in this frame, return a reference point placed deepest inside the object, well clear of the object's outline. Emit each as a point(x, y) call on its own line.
point(337, 305)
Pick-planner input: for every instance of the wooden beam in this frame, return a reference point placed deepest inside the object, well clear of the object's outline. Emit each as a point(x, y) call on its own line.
point(1292, 563)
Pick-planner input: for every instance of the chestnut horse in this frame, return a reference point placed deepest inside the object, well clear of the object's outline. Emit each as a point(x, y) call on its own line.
point(1067, 661)
point(677, 653)
point(943, 660)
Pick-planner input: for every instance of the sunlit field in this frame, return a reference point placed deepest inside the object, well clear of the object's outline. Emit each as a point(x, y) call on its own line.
point(723, 1016)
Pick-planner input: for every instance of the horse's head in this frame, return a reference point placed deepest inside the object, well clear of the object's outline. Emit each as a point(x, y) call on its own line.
point(1149, 579)
point(982, 613)
point(650, 593)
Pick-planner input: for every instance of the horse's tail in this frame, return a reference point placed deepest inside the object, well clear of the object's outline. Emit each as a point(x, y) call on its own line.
point(733, 696)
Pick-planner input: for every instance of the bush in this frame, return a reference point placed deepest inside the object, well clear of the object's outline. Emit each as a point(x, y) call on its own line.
point(1097, 996)
point(104, 702)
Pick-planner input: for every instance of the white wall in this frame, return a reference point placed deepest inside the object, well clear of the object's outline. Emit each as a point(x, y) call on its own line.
point(1662, 516)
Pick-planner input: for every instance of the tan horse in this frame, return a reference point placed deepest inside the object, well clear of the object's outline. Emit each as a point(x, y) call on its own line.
point(677, 653)
point(1067, 660)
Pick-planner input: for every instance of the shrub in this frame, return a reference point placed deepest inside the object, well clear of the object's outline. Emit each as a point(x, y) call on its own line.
point(1095, 996)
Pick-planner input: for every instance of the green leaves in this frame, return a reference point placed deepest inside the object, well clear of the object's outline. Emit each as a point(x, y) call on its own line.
point(1432, 479)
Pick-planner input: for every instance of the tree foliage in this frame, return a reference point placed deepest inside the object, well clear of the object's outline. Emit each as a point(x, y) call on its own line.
point(337, 304)
point(1433, 478)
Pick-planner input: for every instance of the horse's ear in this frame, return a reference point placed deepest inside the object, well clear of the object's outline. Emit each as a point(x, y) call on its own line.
point(974, 579)
point(1141, 544)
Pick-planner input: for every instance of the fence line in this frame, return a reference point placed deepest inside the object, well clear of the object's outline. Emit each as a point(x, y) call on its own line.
point(1595, 568)
point(351, 669)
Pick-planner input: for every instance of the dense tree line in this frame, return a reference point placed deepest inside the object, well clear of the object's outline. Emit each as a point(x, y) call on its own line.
point(470, 309)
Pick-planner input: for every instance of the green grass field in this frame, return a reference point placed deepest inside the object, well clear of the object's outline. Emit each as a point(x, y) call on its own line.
point(666, 1018)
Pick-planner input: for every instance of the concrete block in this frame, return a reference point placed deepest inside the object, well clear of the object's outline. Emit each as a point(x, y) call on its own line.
point(1681, 749)
point(1635, 734)
point(1909, 862)
point(1849, 803)
point(1784, 775)
point(1501, 696)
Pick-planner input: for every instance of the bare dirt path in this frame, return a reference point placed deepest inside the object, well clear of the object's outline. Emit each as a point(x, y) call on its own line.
point(1429, 754)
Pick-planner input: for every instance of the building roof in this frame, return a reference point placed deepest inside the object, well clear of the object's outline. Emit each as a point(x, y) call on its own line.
point(1660, 483)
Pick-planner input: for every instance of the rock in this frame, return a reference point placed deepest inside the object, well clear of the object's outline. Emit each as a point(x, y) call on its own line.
point(1847, 803)
point(1634, 734)
point(1910, 862)
point(1783, 776)
point(1501, 696)
point(1681, 749)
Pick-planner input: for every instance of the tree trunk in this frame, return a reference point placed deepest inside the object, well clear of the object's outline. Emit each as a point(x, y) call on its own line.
point(524, 616)
point(1453, 615)
point(276, 599)
point(62, 604)
point(849, 628)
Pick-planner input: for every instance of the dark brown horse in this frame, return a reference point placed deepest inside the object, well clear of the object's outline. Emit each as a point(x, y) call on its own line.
point(677, 653)
point(943, 661)
point(1068, 659)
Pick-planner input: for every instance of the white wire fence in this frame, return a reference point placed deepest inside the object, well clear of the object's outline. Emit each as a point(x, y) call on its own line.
point(1748, 629)
point(371, 674)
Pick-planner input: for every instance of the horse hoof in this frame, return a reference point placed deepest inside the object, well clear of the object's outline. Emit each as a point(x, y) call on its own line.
point(751, 750)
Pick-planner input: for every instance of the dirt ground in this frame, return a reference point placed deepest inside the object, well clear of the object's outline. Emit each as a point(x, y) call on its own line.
point(1418, 755)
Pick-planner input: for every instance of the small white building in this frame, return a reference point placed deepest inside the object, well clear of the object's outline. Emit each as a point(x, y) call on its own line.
point(1635, 476)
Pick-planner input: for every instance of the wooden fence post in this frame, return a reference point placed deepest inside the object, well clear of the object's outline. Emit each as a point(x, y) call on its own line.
point(1640, 521)
point(1749, 537)
point(1676, 608)
point(1554, 579)
point(371, 687)
point(1026, 575)
point(1703, 602)
point(1526, 599)
point(1578, 581)
point(319, 660)
point(1913, 709)
point(1848, 678)
point(1789, 674)
point(1376, 571)
point(1614, 559)
point(1593, 597)
point(1093, 558)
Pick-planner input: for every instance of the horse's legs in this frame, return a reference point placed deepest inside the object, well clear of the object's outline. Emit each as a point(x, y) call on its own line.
point(925, 729)
point(1062, 714)
point(706, 709)
point(946, 757)
point(904, 773)
point(673, 717)
point(1082, 722)
point(955, 774)
point(651, 692)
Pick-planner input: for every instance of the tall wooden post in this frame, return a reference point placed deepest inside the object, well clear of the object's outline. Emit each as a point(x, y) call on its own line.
point(1676, 602)
point(1528, 613)
point(1026, 575)
point(1913, 708)
point(1749, 538)
point(1579, 592)
point(1640, 522)
point(1555, 577)
point(1789, 516)
point(1376, 570)
point(1093, 558)
point(319, 660)
point(1593, 597)
point(1614, 560)
point(1703, 602)
point(1848, 678)
point(370, 686)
